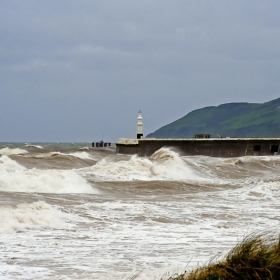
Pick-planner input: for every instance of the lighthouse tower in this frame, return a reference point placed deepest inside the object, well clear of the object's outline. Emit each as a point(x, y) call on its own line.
point(139, 126)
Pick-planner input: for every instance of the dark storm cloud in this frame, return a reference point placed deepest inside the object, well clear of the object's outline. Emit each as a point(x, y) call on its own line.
point(74, 70)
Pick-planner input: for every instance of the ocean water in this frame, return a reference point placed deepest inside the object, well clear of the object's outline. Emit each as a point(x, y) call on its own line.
point(69, 211)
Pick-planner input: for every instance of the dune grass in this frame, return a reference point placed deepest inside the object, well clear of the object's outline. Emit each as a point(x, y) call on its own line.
point(256, 257)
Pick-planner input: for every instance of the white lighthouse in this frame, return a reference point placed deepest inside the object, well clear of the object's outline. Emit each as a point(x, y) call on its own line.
point(139, 126)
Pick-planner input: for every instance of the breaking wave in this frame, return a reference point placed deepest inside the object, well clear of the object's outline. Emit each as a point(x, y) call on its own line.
point(14, 177)
point(163, 164)
point(37, 215)
point(260, 164)
point(13, 151)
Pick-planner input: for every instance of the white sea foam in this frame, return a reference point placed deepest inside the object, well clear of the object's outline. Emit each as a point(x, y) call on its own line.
point(14, 177)
point(175, 231)
point(266, 189)
point(47, 155)
point(14, 151)
point(82, 155)
point(163, 164)
point(168, 164)
point(9, 165)
point(37, 215)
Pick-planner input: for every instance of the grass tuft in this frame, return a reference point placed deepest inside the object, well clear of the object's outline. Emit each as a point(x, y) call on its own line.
point(257, 257)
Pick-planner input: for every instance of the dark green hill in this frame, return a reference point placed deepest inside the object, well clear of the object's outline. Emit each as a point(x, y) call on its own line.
point(227, 120)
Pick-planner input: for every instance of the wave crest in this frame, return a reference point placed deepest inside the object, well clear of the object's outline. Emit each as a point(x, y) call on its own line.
point(37, 215)
point(14, 151)
point(81, 155)
point(163, 164)
point(14, 177)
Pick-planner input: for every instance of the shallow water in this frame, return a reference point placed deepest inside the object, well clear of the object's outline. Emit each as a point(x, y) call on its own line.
point(69, 211)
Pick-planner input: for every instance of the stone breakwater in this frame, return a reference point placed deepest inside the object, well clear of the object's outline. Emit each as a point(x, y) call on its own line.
point(216, 147)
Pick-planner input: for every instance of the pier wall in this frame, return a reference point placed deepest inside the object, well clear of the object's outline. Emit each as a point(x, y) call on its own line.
point(216, 147)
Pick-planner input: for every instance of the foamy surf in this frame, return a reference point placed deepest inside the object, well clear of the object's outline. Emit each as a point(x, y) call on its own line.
point(267, 189)
point(33, 216)
point(16, 178)
point(82, 155)
point(152, 226)
point(14, 151)
point(162, 165)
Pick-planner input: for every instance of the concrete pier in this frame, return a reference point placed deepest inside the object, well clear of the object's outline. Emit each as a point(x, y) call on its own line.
point(216, 147)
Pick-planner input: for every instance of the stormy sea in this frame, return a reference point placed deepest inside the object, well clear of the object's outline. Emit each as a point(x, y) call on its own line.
point(70, 211)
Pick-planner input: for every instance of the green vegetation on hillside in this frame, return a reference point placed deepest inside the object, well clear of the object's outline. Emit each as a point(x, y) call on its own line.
point(227, 120)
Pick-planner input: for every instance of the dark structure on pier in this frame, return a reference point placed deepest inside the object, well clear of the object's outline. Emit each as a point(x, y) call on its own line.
point(100, 144)
point(202, 135)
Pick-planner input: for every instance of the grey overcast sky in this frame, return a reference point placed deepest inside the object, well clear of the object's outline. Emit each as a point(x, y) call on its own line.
point(74, 70)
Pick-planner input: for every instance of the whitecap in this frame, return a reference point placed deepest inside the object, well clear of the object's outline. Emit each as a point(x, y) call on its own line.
point(12, 151)
point(163, 164)
point(81, 155)
point(37, 215)
point(14, 177)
